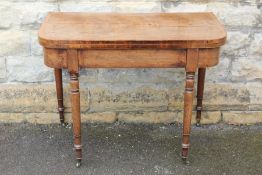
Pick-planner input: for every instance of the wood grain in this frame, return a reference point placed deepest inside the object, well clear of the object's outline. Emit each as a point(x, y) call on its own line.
point(76, 118)
point(200, 92)
point(188, 105)
point(132, 58)
point(155, 58)
point(117, 40)
point(120, 30)
point(59, 93)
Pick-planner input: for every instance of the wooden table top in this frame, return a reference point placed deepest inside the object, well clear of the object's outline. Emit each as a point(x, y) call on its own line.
point(129, 30)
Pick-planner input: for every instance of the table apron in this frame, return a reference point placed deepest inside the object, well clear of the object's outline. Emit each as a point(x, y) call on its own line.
point(154, 58)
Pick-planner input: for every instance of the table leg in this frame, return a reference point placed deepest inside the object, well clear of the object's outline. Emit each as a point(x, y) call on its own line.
point(75, 103)
point(200, 91)
point(59, 93)
point(188, 103)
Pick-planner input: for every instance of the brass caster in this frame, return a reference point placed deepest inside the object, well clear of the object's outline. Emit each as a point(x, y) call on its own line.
point(185, 161)
point(198, 124)
point(78, 163)
point(64, 124)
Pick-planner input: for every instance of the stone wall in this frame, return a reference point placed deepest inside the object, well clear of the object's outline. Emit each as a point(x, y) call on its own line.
point(233, 91)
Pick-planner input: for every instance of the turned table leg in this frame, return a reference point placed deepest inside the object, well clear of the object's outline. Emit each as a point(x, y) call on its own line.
point(75, 103)
point(59, 93)
point(188, 103)
point(191, 66)
point(200, 91)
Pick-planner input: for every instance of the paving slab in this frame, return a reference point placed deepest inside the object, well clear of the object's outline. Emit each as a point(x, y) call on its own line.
point(119, 149)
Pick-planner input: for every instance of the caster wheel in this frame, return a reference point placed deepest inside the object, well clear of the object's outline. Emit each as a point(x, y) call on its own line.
point(64, 124)
point(78, 163)
point(185, 161)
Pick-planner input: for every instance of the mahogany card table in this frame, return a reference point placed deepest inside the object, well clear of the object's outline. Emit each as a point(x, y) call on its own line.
point(131, 40)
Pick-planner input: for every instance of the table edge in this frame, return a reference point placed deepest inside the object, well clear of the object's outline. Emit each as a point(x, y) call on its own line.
point(135, 44)
point(165, 44)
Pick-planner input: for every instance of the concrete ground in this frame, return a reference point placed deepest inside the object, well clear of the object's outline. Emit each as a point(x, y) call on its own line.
point(115, 149)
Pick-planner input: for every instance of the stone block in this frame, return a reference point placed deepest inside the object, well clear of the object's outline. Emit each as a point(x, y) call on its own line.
point(35, 98)
point(13, 117)
point(242, 117)
point(167, 117)
point(86, 6)
point(255, 92)
point(148, 75)
point(28, 69)
point(33, 14)
point(235, 15)
point(220, 72)
point(35, 48)
point(2, 69)
point(178, 6)
point(51, 118)
point(149, 117)
point(255, 49)
point(8, 17)
point(27, 14)
point(98, 117)
point(246, 69)
point(207, 117)
point(237, 44)
point(127, 98)
point(110, 6)
point(217, 96)
point(139, 6)
point(226, 96)
point(14, 43)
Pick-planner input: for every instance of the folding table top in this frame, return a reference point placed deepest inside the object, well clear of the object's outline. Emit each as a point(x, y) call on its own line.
point(131, 30)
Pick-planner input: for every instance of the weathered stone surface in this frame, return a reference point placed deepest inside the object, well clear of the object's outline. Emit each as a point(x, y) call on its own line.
point(219, 96)
point(235, 15)
point(149, 75)
point(246, 69)
point(35, 98)
point(149, 117)
point(207, 117)
point(109, 6)
point(85, 6)
point(42, 98)
point(167, 117)
point(139, 6)
point(226, 96)
point(234, 84)
point(238, 118)
point(237, 44)
point(7, 16)
point(49, 118)
point(175, 98)
point(256, 45)
point(220, 72)
point(32, 14)
point(27, 14)
point(14, 43)
point(255, 91)
point(176, 6)
point(28, 69)
point(100, 117)
point(35, 48)
point(117, 98)
point(13, 117)
point(2, 69)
